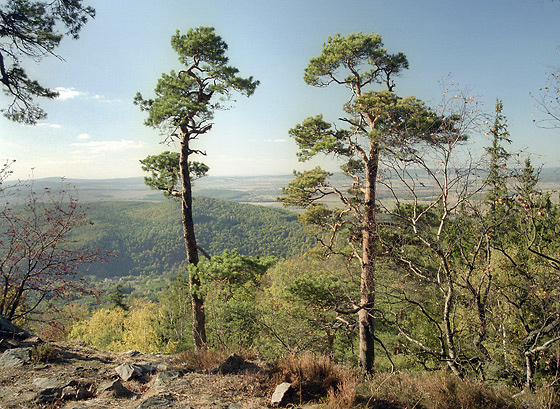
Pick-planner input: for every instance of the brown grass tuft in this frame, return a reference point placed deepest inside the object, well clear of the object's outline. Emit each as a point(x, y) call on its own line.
point(436, 390)
point(315, 378)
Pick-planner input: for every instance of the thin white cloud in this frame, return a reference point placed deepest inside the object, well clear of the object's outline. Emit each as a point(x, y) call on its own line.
point(68, 93)
point(54, 126)
point(98, 147)
point(83, 136)
point(280, 140)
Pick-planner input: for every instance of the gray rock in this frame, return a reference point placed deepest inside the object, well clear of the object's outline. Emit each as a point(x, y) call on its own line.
point(15, 357)
point(232, 365)
point(77, 390)
point(116, 389)
point(163, 401)
point(45, 383)
point(132, 353)
point(161, 367)
point(129, 371)
point(9, 330)
point(168, 376)
point(280, 393)
point(147, 368)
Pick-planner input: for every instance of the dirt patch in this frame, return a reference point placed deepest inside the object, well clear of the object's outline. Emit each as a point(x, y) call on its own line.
point(76, 376)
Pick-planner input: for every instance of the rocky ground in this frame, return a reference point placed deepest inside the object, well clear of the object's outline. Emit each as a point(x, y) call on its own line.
point(73, 376)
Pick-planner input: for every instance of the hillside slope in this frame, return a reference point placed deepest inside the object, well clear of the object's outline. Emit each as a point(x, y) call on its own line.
point(147, 236)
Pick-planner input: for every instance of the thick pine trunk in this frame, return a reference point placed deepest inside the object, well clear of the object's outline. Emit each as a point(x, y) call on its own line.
point(367, 282)
point(197, 300)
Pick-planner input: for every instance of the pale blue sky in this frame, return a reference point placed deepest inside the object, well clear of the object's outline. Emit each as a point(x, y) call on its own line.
point(496, 48)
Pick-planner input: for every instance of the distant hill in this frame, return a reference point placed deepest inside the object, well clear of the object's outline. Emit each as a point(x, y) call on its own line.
point(147, 236)
point(261, 190)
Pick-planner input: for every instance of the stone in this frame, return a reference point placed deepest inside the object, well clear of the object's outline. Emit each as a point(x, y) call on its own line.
point(129, 371)
point(77, 390)
point(147, 368)
point(163, 401)
point(161, 366)
point(280, 393)
point(15, 357)
point(116, 389)
point(9, 330)
point(45, 383)
point(132, 353)
point(168, 376)
point(232, 365)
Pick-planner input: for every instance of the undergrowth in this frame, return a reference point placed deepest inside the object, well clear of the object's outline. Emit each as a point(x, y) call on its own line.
point(318, 379)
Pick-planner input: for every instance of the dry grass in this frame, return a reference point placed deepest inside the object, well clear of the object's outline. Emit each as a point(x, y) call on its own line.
point(44, 353)
point(544, 397)
point(208, 359)
point(436, 390)
point(316, 378)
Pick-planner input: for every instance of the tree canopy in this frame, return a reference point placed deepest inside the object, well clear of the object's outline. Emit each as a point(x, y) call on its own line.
point(32, 30)
point(379, 123)
point(183, 109)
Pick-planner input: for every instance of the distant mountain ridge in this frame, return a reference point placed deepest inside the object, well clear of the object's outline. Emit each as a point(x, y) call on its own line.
point(261, 190)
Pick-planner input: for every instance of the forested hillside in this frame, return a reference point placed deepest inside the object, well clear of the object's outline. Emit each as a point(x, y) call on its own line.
point(146, 237)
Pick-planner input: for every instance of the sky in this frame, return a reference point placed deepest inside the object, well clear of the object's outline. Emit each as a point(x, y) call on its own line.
point(493, 49)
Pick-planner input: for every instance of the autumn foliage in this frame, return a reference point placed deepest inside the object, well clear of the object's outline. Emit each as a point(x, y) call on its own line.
point(39, 262)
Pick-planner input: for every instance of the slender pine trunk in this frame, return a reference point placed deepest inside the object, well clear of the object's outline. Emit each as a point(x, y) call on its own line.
point(197, 299)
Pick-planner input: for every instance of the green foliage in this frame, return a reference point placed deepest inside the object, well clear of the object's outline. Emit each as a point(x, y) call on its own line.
point(174, 323)
point(306, 305)
point(304, 188)
point(398, 122)
point(314, 135)
point(351, 53)
point(184, 98)
point(232, 271)
point(146, 236)
point(230, 284)
point(117, 298)
point(104, 329)
point(119, 330)
point(498, 155)
point(164, 172)
point(31, 29)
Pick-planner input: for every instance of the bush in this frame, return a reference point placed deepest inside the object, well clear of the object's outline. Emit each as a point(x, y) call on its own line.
point(119, 330)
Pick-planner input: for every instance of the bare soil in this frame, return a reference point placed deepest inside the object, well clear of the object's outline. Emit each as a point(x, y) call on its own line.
point(77, 363)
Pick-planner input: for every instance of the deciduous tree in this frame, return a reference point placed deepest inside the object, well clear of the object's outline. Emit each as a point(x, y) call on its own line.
point(39, 262)
point(183, 109)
